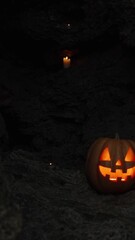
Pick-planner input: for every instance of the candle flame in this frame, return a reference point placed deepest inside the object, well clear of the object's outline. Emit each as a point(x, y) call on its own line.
point(68, 25)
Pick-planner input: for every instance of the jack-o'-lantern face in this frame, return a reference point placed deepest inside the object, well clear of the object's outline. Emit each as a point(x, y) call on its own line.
point(110, 165)
point(117, 169)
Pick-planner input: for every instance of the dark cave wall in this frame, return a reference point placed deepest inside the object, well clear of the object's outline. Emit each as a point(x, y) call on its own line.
point(33, 18)
point(51, 114)
point(34, 30)
point(60, 113)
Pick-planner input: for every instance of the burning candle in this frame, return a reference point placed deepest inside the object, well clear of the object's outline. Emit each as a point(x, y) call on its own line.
point(66, 62)
point(68, 26)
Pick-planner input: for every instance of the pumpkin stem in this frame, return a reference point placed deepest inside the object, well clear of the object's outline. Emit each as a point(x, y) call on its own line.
point(117, 136)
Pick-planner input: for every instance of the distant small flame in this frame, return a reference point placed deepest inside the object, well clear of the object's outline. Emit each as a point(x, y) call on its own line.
point(68, 26)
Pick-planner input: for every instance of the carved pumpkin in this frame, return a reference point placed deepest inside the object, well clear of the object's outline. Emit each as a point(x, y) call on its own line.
point(110, 165)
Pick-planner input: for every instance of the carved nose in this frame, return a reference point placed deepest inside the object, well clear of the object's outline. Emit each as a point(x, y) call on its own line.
point(118, 163)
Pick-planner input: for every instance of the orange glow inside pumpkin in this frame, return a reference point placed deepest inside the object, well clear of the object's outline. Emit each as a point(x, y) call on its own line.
point(130, 156)
point(105, 155)
point(113, 176)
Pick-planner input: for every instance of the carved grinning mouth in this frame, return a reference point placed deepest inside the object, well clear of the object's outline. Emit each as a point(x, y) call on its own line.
point(118, 174)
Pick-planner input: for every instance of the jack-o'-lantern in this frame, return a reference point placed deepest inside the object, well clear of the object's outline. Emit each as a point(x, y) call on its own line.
point(110, 165)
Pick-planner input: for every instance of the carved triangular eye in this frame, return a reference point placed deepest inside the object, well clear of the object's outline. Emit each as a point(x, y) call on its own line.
point(105, 155)
point(130, 156)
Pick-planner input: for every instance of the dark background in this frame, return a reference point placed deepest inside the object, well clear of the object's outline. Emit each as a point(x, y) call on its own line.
point(59, 112)
point(51, 114)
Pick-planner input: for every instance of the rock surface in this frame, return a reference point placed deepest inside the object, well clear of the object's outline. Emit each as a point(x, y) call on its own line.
point(10, 213)
point(59, 203)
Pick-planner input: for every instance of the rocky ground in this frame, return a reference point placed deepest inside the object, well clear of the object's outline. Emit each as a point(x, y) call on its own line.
point(51, 202)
